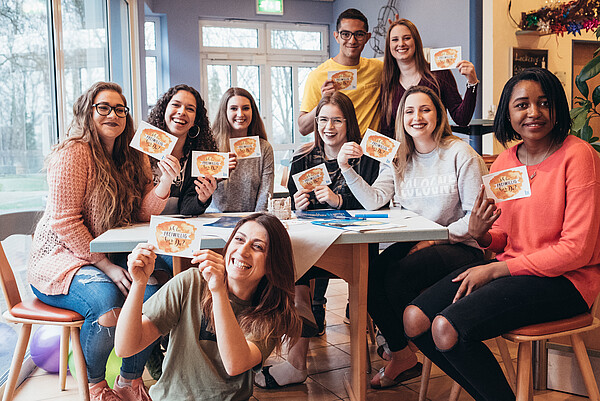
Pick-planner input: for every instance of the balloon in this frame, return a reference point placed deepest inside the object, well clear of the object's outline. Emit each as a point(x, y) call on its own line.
point(45, 348)
point(113, 367)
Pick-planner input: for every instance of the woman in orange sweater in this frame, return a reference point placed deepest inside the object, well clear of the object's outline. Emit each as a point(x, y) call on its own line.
point(96, 182)
point(547, 244)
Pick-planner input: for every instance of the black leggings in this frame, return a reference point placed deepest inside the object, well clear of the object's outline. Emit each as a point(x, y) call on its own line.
point(395, 279)
point(502, 305)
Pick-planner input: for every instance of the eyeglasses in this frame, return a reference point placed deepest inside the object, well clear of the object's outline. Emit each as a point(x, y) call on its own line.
point(104, 110)
point(335, 121)
point(358, 35)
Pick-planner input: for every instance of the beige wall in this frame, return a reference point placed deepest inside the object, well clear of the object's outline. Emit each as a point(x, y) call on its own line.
point(504, 37)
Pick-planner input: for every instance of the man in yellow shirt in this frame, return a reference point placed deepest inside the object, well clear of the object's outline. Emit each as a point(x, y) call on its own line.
point(352, 34)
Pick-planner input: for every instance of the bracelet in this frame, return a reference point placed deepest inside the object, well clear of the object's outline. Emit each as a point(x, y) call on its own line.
point(472, 86)
point(340, 201)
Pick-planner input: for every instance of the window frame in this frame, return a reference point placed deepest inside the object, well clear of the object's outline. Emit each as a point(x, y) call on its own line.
point(156, 53)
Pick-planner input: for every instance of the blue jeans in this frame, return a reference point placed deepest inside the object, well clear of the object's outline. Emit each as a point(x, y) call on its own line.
point(92, 294)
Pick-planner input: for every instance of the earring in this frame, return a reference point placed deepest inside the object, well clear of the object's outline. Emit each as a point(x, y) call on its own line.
point(194, 132)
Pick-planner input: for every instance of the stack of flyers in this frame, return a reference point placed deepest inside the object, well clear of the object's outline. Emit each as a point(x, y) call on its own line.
point(509, 184)
point(444, 58)
point(210, 163)
point(313, 177)
point(246, 147)
point(379, 147)
point(177, 237)
point(153, 141)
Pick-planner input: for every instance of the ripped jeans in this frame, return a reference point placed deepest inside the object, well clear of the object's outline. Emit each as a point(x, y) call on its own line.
point(92, 294)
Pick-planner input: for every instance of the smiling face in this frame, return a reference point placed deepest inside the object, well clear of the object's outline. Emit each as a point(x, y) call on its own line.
point(180, 113)
point(246, 257)
point(420, 120)
point(239, 115)
point(402, 43)
point(111, 126)
point(332, 131)
point(350, 49)
point(530, 112)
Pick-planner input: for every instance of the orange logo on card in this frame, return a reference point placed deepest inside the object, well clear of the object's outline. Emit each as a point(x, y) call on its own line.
point(174, 236)
point(153, 141)
point(507, 184)
point(379, 146)
point(245, 147)
point(342, 79)
point(312, 178)
point(445, 58)
point(210, 163)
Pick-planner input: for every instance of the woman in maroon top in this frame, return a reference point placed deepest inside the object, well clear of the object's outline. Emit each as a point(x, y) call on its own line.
point(404, 65)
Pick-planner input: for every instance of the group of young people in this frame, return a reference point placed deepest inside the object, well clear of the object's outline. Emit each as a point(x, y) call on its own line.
point(226, 316)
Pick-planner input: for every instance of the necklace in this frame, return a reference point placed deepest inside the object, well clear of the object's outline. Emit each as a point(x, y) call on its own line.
point(532, 175)
point(408, 84)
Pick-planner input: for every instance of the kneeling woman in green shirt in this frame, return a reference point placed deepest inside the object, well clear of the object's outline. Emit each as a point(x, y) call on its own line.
point(224, 317)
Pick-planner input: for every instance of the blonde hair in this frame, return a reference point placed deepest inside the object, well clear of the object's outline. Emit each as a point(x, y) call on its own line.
point(121, 177)
point(222, 128)
point(442, 134)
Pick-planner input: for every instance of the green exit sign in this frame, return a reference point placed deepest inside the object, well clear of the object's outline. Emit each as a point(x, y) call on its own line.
point(269, 7)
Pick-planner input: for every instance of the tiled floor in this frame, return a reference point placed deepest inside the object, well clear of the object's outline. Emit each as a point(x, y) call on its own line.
point(329, 361)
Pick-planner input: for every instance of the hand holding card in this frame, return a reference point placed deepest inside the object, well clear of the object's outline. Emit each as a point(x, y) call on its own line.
point(153, 141)
point(313, 177)
point(246, 147)
point(344, 79)
point(210, 163)
point(507, 184)
point(379, 147)
point(445, 58)
point(172, 236)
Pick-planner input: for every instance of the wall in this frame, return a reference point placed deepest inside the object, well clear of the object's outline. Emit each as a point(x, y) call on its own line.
point(504, 38)
point(182, 25)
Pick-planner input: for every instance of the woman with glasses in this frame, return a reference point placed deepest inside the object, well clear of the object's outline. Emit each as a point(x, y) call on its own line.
point(435, 175)
point(180, 111)
point(404, 66)
point(96, 182)
point(335, 126)
point(250, 185)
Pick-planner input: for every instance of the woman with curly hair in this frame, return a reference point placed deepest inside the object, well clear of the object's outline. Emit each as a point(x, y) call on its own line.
point(224, 317)
point(249, 186)
point(96, 182)
point(180, 111)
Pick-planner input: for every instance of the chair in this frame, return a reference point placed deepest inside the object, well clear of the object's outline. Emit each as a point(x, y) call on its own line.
point(571, 327)
point(34, 311)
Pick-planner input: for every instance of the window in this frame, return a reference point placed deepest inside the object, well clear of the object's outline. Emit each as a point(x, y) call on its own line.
point(153, 45)
point(51, 52)
point(272, 62)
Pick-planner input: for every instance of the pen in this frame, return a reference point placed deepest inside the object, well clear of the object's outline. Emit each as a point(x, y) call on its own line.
point(371, 215)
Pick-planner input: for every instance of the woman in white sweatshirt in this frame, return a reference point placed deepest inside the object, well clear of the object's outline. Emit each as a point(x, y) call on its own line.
point(435, 175)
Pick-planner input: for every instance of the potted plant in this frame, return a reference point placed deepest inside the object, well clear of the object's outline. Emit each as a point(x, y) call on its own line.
point(587, 108)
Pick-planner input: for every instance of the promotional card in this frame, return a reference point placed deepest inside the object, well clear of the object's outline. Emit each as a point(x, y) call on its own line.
point(313, 177)
point(210, 163)
point(379, 147)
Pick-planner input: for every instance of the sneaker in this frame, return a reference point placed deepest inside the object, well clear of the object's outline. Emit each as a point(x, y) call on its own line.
point(347, 317)
point(319, 313)
point(154, 362)
point(135, 392)
point(101, 392)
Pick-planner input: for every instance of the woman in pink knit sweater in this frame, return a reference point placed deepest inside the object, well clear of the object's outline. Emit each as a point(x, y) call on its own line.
point(547, 244)
point(96, 182)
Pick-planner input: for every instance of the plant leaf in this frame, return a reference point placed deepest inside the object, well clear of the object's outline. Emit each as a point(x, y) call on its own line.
point(596, 96)
point(587, 133)
point(579, 116)
point(597, 147)
point(596, 52)
point(594, 139)
point(590, 70)
point(582, 85)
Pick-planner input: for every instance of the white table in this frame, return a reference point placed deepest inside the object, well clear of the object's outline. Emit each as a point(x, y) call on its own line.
point(347, 258)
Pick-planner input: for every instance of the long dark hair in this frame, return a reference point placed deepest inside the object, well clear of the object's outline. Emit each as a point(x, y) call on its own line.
point(273, 314)
point(552, 88)
point(204, 139)
point(221, 126)
point(390, 80)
